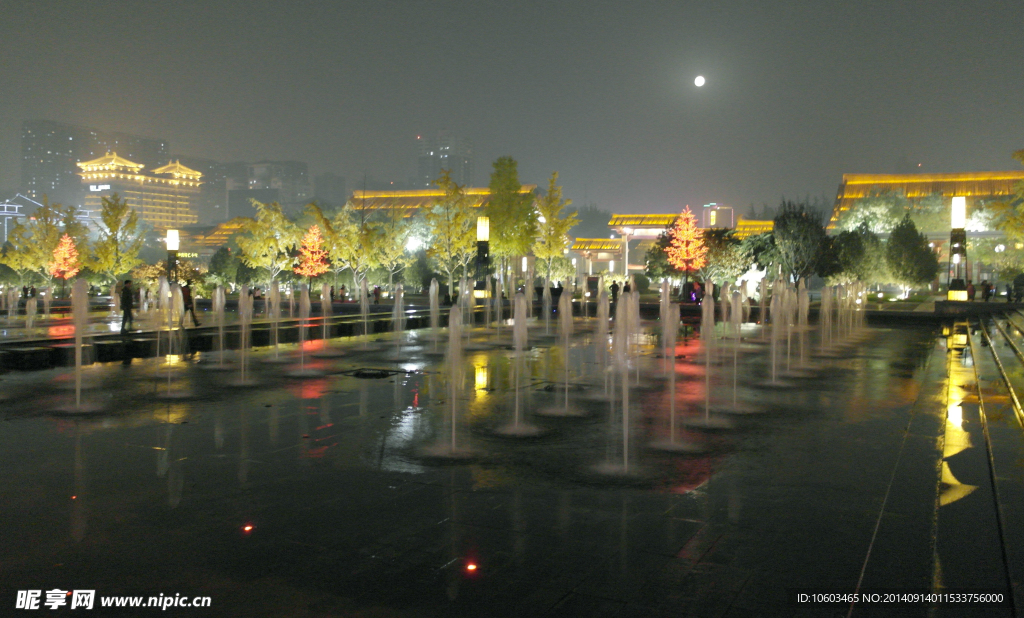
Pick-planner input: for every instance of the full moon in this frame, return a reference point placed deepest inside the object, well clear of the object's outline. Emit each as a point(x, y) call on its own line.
point(699, 81)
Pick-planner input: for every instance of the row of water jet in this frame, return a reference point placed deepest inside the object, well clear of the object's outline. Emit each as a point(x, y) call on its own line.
point(435, 313)
point(621, 336)
point(565, 331)
point(245, 303)
point(12, 304)
point(670, 334)
point(398, 319)
point(218, 314)
point(364, 310)
point(518, 428)
point(546, 305)
point(327, 309)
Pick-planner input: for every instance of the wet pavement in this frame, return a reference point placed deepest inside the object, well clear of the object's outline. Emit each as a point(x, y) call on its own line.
point(313, 497)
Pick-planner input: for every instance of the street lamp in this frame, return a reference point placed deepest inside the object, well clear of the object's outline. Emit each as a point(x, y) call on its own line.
point(957, 288)
point(173, 243)
point(483, 246)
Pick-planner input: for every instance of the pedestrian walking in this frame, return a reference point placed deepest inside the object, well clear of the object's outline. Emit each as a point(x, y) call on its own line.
point(986, 290)
point(615, 291)
point(127, 320)
point(971, 291)
point(187, 303)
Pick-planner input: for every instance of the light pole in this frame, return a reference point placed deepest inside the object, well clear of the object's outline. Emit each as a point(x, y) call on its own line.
point(957, 288)
point(173, 243)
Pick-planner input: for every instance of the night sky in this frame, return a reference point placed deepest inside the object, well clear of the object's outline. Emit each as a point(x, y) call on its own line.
point(797, 93)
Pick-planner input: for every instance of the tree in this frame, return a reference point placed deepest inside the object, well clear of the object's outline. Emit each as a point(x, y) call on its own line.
point(553, 231)
point(34, 239)
point(1009, 213)
point(65, 260)
point(724, 260)
point(879, 211)
point(117, 246)
point(312, 256)
point(658, 266)
point(513, 219)
point(686, 248)
point(910, 260)
point(799, 237)
point(391, 237)
point(266, 241)
point(451, 223)
point(223, 268)
point(854, 255)
point(350, 239)
point(760, 250)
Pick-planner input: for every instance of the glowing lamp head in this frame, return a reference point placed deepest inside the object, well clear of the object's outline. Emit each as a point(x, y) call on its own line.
point(525, 264)
point(173, 242)
point(483, 229)
point(956, 258)
point(958, 215)
point(471, 567)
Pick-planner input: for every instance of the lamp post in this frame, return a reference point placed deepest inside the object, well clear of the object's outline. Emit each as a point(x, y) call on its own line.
point(173, 242)
point(957, 288)
point(483, 247)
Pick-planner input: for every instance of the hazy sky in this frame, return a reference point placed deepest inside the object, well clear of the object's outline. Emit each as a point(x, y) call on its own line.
point(797, 92)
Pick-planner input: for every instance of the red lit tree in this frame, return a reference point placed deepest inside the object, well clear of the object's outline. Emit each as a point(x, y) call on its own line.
point(312, 255)
point(687, 250)
point(65, 260)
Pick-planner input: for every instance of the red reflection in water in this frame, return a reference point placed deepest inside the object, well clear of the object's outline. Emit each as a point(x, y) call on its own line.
point(248, 528)
point(57, 332)
point(313, 345)
point(309, 389)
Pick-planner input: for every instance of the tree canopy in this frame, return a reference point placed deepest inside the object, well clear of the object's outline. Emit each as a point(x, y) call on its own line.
point(553, 229)
point(799, 237)
point(266, 241)
point(910, 260)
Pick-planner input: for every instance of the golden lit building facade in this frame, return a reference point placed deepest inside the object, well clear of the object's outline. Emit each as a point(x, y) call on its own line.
point(417, 199)
point(165, 197)
point(977, 187)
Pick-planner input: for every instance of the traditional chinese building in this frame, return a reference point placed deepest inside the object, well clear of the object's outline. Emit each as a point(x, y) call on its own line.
point(414, 200)
point(165, 197)
point(977, 187)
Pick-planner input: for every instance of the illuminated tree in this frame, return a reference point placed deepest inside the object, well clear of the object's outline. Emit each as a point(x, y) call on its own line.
point(33, 240)
point(350, 240)
point(392, 235)
point(117, 246)
point(553, 232)
point(513, 219)
point(266, 241)
point(451, 222)
point(1009, 213)
point(686, 250)
point(312, 256)
point(65, 260)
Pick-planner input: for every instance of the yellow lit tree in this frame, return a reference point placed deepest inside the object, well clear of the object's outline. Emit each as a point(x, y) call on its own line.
point(267, 240)
point(552, 231)
point(119, 240)
point(687, 249)
point(65, 260)
point(312, 256)
point(451, 223)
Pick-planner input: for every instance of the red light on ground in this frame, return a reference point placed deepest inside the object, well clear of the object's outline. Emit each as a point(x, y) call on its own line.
point(470, 567)
point(248, 528)
point(74, 497)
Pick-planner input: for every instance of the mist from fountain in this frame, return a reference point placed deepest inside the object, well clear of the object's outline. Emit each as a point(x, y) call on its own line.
point(663, 309)
point(364, 310)
point(326, 309)
point(12, 304)
point(47, 298)
point(304, 310)
point(546, 305)
point(674, 444)
point(245, 303)
point(218, 313)
point(398, 318)
point(80, 318)
point(518, 428)
point(31, 306)
point(762, 303)
point(565, 330)
point(274, 309)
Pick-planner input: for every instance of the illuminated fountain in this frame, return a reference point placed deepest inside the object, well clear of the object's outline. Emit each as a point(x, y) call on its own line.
point(47, 298)
point(448, 447)
point(245, 303)
point(31, 306)
point(519, 428)
point(565, 324)
point(304, 309)
point(327, 309)
point(707, 336)
point(674, 444)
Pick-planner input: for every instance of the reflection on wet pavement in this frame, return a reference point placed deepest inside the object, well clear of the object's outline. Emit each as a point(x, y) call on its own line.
point(312, 497)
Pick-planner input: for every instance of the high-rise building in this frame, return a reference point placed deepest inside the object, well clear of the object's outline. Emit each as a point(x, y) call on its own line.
point(284, 182)
point(330, 189)
point(50, 152)
point(447, 152)
point(212, 204)
point(163, 197)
